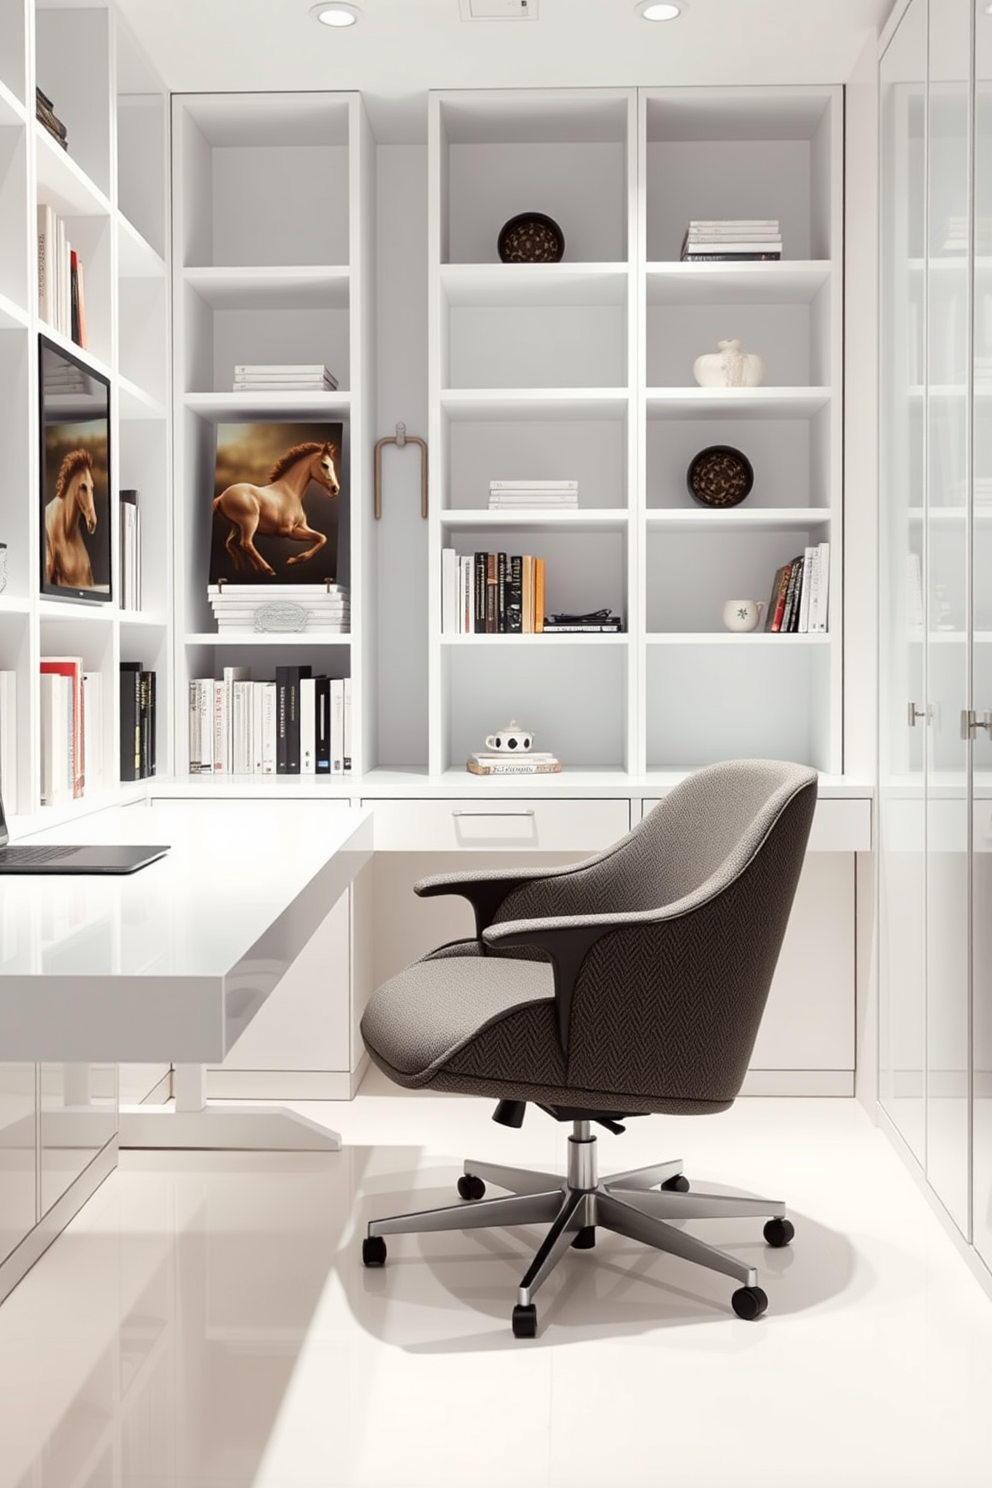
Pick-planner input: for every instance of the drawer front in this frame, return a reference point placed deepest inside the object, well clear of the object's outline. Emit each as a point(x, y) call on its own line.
point(839, 825)
point(505, 825)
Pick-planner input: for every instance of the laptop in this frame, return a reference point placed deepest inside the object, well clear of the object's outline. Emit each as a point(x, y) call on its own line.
point(48, 857)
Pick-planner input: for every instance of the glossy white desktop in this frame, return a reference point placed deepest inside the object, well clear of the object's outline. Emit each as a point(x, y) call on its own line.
point(173, 962)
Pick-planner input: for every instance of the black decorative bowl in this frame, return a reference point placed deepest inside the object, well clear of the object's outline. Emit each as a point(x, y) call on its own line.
point(720, 476)
point(531, 238)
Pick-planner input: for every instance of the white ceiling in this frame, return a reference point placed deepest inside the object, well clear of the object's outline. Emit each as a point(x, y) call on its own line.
point(402, 48)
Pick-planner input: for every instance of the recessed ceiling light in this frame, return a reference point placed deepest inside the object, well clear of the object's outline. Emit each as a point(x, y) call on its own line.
point(336, 13)
point(661, 10)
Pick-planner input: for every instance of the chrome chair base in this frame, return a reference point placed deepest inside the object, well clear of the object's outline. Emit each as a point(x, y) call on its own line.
point(630, 1204)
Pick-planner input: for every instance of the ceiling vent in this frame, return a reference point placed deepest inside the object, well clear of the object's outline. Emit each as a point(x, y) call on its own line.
point(498, 10)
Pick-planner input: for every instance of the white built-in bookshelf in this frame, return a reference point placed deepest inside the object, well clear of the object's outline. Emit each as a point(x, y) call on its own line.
point(110, 188)
point(582, 369)
point(272, 264)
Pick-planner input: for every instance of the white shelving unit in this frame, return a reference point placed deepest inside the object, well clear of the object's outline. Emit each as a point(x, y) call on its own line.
point(532, 375)
point(583, 369)
point(740, 152)
point(288, 283)
point(57, 1121)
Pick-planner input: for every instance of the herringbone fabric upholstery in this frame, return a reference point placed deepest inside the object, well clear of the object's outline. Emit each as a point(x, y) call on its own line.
point(665, 1005)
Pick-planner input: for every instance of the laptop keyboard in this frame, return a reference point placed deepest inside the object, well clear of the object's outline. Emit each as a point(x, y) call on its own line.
point(37, 854)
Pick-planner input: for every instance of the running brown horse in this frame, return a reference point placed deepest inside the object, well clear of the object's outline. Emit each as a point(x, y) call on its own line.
point(276, 510)
point(67, 562)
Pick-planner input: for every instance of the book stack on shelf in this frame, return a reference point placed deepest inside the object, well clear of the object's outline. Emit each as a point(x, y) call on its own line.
point(281, 607)
point(531, 763)
point(137, 721)
point(295, 724)
point(130, 547)
point(492, 593)
point(732, 240)
point(593, 622)
point(283, 377)
point(798, 602)
point(70, 716)
point(45, 113)
point(528, 495)
point(61, 300)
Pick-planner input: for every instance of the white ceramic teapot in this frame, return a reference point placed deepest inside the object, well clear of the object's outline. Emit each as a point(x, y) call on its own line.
point(729, 366)
point(510, 740)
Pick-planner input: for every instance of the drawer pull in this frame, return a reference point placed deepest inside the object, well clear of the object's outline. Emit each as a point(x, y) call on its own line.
point(500, 814)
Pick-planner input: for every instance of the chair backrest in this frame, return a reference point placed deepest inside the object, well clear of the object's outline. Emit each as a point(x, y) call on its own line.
point(670, 1007)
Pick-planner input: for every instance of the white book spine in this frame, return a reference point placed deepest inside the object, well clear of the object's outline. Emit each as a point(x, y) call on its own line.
point(449, 591)
point(337, 726)
point(92, 689)
point(809, 563)
point(242, 762)
point(823, 585)
point(308, 726)
point(268, 728)
point(8, 736)
point(347, 726)
point(533, 485)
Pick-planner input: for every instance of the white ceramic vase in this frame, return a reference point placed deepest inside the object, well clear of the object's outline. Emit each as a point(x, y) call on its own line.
point(729, 366)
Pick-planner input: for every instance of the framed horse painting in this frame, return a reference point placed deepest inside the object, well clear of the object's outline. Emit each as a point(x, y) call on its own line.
point(75, 476)
point(276, 503)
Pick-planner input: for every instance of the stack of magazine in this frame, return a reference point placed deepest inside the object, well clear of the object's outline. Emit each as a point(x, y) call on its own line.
point(281, 607)
point(525, 495)
point(282, 377)
point(45, 114)
point(732, 239)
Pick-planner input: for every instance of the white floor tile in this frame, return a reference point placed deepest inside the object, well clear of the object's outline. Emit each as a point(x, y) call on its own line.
point(206, 1322)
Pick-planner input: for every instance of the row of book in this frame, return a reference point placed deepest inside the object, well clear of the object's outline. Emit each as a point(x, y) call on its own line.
point(492, 593)
point(129, 588)
point(283, 377)
point(71, 720)
point(138, 721)
point(269, 607)
point(798, 603)
point(524, 495)
point(726, 240)
point(61, 299)
point(296, 724)
point(44, 110)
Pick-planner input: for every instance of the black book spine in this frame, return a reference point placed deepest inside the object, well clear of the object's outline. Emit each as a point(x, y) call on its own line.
point(130, 723)
point(501, 584)
point(479, 618)
point(514, 594)
point(282, 701)
point(288, 707)
point(322, 726)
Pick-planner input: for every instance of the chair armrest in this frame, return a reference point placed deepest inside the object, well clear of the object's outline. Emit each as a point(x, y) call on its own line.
point(485, 890)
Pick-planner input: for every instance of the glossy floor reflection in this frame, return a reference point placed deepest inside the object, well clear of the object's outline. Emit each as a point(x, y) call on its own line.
point(206, 1322)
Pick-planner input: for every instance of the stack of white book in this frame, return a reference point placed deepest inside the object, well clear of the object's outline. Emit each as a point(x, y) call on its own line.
point(277, 377)
point(726, 240)
point(522, 495)
point(533, 762)
point(281, 607)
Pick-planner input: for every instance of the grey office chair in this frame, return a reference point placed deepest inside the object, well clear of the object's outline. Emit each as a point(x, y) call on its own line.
point(631, 982)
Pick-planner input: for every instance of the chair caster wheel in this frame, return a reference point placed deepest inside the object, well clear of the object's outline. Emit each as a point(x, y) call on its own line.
point(524, 1320)
point(779, 1232)
point(678, 1184)
point(471, 1187)
point(585, 1238)
point(374, 1251)
point(749, 1303)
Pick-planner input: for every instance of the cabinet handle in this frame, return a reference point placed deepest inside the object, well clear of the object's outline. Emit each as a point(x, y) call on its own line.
point(400, 438)
point(492, 813)
point(913, 713)
point(970, 723)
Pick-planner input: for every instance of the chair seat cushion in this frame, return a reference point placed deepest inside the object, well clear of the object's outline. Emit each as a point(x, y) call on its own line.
point(418, 1020)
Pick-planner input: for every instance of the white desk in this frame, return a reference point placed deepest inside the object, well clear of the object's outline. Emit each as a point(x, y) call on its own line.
point(173, 962)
